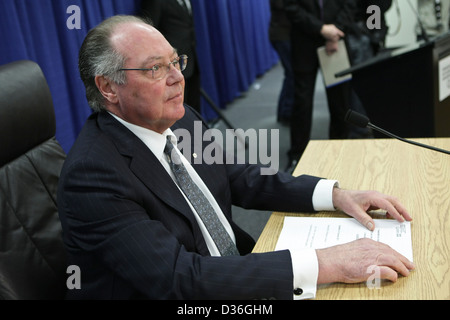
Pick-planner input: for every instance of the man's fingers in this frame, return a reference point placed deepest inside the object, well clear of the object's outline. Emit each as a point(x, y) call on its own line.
point(391, 272)
point(392, 263)
point(393, 212)
point(388, 274)
point(401, 209)
point(357, 204)
point(393, 207)
point(364, 219)
point(409, 265)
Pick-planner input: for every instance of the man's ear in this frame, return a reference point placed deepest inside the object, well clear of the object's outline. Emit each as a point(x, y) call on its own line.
point(106, 88)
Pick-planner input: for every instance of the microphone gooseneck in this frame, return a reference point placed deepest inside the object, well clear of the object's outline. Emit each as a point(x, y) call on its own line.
point(362, 121)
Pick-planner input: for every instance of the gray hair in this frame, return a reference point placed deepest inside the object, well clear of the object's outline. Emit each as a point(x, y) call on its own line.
point(98, 57)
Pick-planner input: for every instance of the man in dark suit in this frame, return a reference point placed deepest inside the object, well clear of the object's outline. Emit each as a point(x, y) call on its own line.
point(316, 23)
point(174, 19)
point(127, 224)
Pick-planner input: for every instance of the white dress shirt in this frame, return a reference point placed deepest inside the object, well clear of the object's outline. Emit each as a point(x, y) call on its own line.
point(304, 262)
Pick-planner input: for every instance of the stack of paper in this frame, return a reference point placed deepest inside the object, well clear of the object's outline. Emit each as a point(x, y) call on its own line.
point(317, 233)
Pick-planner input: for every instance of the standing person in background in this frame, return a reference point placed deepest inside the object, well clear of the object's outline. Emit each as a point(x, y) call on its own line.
point(434, 15)
point(280, 38)
point(363, 44)
point(316, 23)
point(173, 18)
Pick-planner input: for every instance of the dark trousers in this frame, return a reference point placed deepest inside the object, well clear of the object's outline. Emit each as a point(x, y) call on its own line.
point(302, 112)
point(286, 98)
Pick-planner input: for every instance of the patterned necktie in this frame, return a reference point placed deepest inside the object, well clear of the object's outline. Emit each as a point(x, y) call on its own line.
point(201, 205)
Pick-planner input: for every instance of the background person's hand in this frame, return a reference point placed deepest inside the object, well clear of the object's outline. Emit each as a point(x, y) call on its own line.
point(331, 33)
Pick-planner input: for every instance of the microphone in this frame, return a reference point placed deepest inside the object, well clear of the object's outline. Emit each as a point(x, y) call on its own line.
point(362, 121)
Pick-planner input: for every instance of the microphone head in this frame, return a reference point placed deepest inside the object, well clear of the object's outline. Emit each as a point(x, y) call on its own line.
point(357, 119)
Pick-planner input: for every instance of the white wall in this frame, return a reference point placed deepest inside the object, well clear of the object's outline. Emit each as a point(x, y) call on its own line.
point(402, 31)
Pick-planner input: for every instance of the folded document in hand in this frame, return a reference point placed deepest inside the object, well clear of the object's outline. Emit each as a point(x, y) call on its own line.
point(332, 64)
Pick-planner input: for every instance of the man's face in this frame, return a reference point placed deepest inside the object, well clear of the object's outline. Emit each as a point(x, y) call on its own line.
point(144, 101)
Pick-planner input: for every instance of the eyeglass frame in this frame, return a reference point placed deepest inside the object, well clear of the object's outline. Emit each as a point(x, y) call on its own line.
point(176, 60)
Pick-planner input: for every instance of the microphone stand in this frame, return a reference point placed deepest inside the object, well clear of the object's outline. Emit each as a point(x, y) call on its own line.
point(387, 133)
point(362, 121)
point(220, 114)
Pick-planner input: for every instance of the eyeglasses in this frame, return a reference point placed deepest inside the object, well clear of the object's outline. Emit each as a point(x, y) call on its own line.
point(159, 71)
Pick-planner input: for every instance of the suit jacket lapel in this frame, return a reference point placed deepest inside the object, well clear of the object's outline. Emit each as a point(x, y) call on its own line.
point(145, 165)
point(150, 171)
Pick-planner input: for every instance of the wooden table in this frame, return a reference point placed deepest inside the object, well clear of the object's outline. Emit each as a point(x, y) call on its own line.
point(420, 178)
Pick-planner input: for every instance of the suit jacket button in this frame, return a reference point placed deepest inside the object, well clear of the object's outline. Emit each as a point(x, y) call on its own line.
point(298, 291)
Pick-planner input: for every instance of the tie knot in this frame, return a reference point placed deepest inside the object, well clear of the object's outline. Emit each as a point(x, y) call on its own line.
point(169, 146)
point(173, 156)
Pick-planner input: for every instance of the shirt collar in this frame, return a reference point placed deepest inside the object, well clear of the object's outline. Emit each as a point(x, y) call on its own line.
point(155, 141)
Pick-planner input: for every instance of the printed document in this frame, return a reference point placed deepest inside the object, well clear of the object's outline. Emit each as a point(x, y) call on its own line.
point(317, 233)
point(444, 78)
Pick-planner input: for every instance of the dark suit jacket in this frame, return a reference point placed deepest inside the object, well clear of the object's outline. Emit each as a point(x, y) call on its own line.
point(129, 229)
point(307, 21)
point(177, 26)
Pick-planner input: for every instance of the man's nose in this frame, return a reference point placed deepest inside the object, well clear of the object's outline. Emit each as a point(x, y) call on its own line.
point(174, 75)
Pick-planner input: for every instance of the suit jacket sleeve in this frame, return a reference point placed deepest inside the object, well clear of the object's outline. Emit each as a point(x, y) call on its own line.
point(346, 15)
point(305, 14)
point(280, 192)
point(249, 188)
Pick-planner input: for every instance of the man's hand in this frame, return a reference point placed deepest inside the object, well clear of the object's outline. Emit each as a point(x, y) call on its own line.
point(331, 33)
point(357, 203)
point(350, 262)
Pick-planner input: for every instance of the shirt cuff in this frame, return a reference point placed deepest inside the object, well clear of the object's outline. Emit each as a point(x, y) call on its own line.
point(323, 195)
point(306, 271)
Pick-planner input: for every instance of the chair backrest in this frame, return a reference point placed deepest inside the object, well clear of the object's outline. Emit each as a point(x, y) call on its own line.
point(32, 254)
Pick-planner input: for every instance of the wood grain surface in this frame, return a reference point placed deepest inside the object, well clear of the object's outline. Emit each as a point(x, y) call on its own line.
point(419, 177)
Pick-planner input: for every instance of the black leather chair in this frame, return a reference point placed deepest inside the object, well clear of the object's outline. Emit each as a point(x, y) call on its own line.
point(32, 254)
